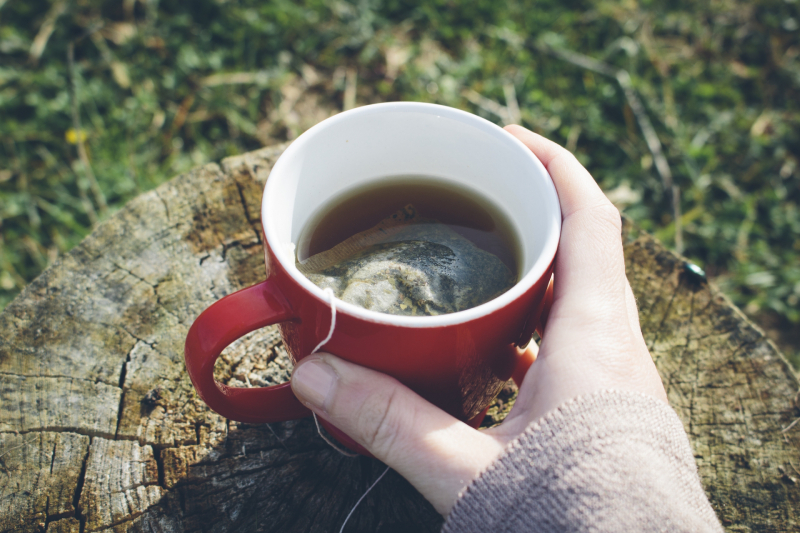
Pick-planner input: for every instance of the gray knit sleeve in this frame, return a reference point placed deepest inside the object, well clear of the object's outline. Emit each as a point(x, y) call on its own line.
point(608, 462)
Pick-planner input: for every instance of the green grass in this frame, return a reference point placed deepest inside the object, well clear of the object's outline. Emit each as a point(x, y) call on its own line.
point(719, 81)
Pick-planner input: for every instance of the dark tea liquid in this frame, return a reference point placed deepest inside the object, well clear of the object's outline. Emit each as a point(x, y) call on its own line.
point(461, 209)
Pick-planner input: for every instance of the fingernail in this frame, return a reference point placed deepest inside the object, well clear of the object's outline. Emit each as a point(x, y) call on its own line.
point(312, 382)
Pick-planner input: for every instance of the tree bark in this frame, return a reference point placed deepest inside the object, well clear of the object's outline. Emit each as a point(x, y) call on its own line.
point(101, 430)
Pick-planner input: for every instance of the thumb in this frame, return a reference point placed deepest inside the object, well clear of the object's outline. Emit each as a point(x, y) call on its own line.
point(435, 452)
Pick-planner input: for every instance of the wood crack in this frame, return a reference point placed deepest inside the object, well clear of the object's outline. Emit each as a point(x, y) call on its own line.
point(122, 374)
point(57, 376)
point(664, 317)
point(153, 286)
point(152, 344)
point(236, 244)
point(167, 310)
point(79, 489)
point(122, 268)
point(163, 202)
point(53, 460)
point(114, 524)
point(160, 465)
point(120, 409)
point(250, 221)
point(58, 429)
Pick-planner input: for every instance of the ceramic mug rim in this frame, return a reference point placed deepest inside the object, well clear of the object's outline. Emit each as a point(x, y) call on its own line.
point(534, 273)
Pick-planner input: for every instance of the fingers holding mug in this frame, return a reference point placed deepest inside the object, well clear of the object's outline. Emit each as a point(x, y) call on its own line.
point(592, 295)
point(590, 267)
point(435, 452)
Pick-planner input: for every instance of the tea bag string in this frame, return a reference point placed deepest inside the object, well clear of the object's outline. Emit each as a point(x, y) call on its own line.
point(361, 498)
point(332, 302)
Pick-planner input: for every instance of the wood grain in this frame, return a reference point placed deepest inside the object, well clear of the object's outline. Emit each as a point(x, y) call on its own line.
point(100, 429)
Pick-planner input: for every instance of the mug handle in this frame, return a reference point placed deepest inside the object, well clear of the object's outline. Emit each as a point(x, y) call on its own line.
point(526, 357)
point(222, 323)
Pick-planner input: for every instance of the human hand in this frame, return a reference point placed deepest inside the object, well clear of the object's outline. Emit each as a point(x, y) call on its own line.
point(593, 341)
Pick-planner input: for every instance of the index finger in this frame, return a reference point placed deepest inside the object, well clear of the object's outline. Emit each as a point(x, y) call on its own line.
point(590, 267)
point(576, 188)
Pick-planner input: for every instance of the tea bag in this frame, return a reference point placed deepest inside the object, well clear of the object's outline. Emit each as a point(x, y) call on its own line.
point(409, 265)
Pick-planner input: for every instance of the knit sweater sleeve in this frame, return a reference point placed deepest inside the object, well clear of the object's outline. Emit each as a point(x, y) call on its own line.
point(607, 462)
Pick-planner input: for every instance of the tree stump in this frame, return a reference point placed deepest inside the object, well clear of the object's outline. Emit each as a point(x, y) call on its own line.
point(101, 430)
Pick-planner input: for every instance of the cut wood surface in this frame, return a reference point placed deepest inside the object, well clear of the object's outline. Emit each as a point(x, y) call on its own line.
point(101, 430)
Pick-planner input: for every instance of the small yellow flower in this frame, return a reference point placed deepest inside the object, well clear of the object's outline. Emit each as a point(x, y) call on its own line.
point(74, 137)
point(6, 281)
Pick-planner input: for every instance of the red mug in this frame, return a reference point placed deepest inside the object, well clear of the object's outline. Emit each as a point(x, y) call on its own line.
point(457, 361)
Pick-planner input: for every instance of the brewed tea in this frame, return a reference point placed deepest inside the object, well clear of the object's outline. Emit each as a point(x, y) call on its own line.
point(409, 246)
point(462, 210)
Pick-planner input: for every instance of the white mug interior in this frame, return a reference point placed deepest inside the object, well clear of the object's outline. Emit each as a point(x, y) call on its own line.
point(409, 138)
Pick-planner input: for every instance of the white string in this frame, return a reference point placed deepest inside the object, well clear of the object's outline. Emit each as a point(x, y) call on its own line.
point(330, 442)
point(362, 497)
point(332, 301)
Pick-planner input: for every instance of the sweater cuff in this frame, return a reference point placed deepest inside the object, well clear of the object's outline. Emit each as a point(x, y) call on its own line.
point(608, 461)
